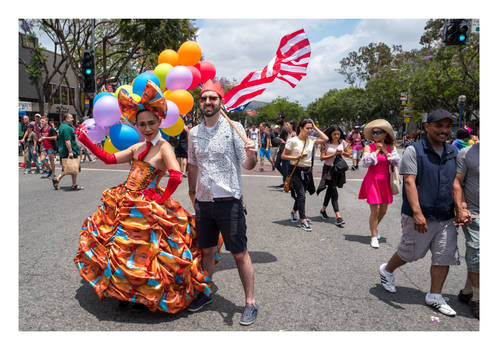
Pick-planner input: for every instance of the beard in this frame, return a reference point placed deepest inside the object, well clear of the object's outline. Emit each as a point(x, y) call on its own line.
point(212, 111)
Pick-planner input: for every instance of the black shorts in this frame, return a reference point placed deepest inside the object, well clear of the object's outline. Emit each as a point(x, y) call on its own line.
point(181, 152)
point(226, 217)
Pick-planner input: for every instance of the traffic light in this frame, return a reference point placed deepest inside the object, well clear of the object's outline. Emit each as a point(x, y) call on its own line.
point(456, 31)
point(88, 71)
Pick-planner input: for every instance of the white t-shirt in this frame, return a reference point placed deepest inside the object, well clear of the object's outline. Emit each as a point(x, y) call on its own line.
point(295, 145)
point(331, 148)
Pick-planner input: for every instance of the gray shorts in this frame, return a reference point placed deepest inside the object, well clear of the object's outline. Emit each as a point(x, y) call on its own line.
point(471, 232)
point(440, 238)
point(356, 154)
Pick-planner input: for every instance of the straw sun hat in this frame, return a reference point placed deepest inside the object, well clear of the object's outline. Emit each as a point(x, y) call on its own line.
point(379, 124)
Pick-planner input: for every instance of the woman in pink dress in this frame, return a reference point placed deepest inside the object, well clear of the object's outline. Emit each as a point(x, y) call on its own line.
point(378, 155)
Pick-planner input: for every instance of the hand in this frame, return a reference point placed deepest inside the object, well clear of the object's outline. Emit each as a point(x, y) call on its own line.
point(463, 217)
point(151, 194)
point(80, 130)
point(419, 223)
point(250, 147)
point(338, 152)
point(70, 155)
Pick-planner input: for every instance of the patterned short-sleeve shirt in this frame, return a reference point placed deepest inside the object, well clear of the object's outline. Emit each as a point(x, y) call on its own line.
point(218, 152)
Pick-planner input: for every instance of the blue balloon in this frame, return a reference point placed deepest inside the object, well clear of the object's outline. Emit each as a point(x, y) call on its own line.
point(101, 94)
point(164, 135)
point(123, 136)
point(141, 80)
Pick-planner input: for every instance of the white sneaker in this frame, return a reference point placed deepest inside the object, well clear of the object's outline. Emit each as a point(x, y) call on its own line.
point(437, 302)
point(387, 279)
point(374, 243)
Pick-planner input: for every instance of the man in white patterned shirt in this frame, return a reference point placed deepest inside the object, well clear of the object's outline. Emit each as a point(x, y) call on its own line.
point(216, 154)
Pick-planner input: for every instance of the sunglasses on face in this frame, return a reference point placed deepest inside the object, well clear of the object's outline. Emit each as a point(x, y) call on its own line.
point(210, 98)
point(378, 132)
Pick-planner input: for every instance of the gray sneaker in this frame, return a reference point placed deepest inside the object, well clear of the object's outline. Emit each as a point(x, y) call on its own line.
point(249, 315)
point(199, 302)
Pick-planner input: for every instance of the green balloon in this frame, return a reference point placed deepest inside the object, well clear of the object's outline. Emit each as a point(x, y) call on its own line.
point(161, 71)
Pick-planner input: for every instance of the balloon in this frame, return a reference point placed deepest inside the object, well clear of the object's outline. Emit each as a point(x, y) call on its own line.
point(164, 136)
point(183, 100)
point(196, 77)
point(123, 136)
point(141, 80)
point(109, 147)
point(161, 71)
point(168, 56)
point(176, 129)
point(94, 132)
point(106, 111)
point(207, 70)
point(126, 87)
point(101, 94)
point(189, 53)
point(179, 78)
point(171, 115)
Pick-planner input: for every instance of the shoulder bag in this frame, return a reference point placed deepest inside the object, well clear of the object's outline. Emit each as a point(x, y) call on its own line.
point(288, 179)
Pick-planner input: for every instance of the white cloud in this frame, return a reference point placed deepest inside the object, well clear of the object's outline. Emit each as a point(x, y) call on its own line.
point(237, 47)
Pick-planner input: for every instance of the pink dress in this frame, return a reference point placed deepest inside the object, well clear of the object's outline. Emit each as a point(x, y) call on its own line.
point(375, 187)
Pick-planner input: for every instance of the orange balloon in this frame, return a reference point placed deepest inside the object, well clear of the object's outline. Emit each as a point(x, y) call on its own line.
point(183, 100)
point(168, 56)
point(189, 53)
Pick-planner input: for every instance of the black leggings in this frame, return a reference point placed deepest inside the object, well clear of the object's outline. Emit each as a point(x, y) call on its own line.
point(331, 194)
point(299, 183)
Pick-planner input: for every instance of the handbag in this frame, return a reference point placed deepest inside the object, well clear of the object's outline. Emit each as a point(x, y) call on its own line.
point(288, 179)
point(394, 179)
point(340, 164)
point(71, 165)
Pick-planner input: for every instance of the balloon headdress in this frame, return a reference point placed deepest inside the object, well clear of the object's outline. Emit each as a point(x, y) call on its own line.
point(152, 100)
point(210, 86)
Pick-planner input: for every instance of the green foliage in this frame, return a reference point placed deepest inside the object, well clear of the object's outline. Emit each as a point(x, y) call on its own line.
point(37, 61)
point(280, 105)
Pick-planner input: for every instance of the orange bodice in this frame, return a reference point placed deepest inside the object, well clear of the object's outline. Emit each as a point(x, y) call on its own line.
point(142, 175)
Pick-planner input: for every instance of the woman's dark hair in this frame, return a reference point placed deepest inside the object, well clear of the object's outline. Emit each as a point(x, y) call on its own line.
point(293, 124)
point(302, 123)
point(331, 129)
point(140, 111)
point(462, 134)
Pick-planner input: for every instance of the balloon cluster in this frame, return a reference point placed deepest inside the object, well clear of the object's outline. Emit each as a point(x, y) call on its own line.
point(176, 73)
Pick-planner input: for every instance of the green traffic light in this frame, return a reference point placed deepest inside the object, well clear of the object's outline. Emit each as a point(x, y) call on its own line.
point(462, 37)
point(88, 71)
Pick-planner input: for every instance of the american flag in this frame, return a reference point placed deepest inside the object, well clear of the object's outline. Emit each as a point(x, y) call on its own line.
point(289, 65)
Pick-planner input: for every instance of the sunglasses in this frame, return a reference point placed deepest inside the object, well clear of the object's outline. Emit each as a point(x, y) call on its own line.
point(379, 132)
point(210, 98)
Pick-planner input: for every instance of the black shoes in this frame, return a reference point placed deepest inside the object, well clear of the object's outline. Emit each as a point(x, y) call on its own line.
point(339, 221)
point(199, 302)
point(464, 298)
point(324, 214)
point(467, 299)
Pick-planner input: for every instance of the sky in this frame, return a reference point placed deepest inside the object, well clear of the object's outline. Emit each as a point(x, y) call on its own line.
point(237, 47)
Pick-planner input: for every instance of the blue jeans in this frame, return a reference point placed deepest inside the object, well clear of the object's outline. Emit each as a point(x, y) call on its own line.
point(31, 157)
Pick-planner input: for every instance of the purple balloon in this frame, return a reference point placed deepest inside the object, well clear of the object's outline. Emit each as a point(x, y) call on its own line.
point(106, 111)
point(94, 132)
point(179, 78)
point(171, 115)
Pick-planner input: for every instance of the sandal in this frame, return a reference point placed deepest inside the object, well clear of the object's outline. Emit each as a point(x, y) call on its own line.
point(55, 182)
point(77, 188)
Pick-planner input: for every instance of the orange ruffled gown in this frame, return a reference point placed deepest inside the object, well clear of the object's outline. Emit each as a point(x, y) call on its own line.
point(134, 249)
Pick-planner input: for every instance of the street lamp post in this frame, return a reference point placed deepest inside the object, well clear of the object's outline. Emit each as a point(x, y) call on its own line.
point(461, 102)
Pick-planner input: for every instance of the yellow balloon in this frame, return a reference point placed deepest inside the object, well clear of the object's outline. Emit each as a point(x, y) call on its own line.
point(126, 87)
point(161, 71)
point(136, 97)
point(109, 147)
point(176, 129)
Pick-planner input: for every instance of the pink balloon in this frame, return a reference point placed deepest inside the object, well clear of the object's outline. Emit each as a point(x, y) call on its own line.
point(106, 111)
point(178, 78)
point(207, 69)
point(171, 115)
point(196, 77)
point(94, 132)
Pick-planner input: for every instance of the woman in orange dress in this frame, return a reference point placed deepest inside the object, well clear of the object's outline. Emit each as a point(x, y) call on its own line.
point(140, 245)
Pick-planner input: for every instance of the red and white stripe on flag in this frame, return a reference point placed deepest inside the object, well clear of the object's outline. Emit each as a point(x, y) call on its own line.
point(289, 65)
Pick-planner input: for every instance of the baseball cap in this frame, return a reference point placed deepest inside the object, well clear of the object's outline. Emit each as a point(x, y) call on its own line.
point(439, 114)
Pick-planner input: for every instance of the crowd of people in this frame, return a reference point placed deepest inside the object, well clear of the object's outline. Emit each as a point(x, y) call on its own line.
point(144, 249)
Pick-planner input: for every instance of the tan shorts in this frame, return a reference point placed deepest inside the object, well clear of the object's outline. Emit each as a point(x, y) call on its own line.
point(440, 238)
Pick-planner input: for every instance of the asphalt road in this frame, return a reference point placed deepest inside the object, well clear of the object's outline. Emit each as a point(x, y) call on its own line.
point(324, 280)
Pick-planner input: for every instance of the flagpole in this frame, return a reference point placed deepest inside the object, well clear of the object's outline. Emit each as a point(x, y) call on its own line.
point(233, 126)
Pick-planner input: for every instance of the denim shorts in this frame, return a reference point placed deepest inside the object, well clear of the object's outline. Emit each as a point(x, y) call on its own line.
point(356, 153)
point(471, 232)
point(226, 217)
